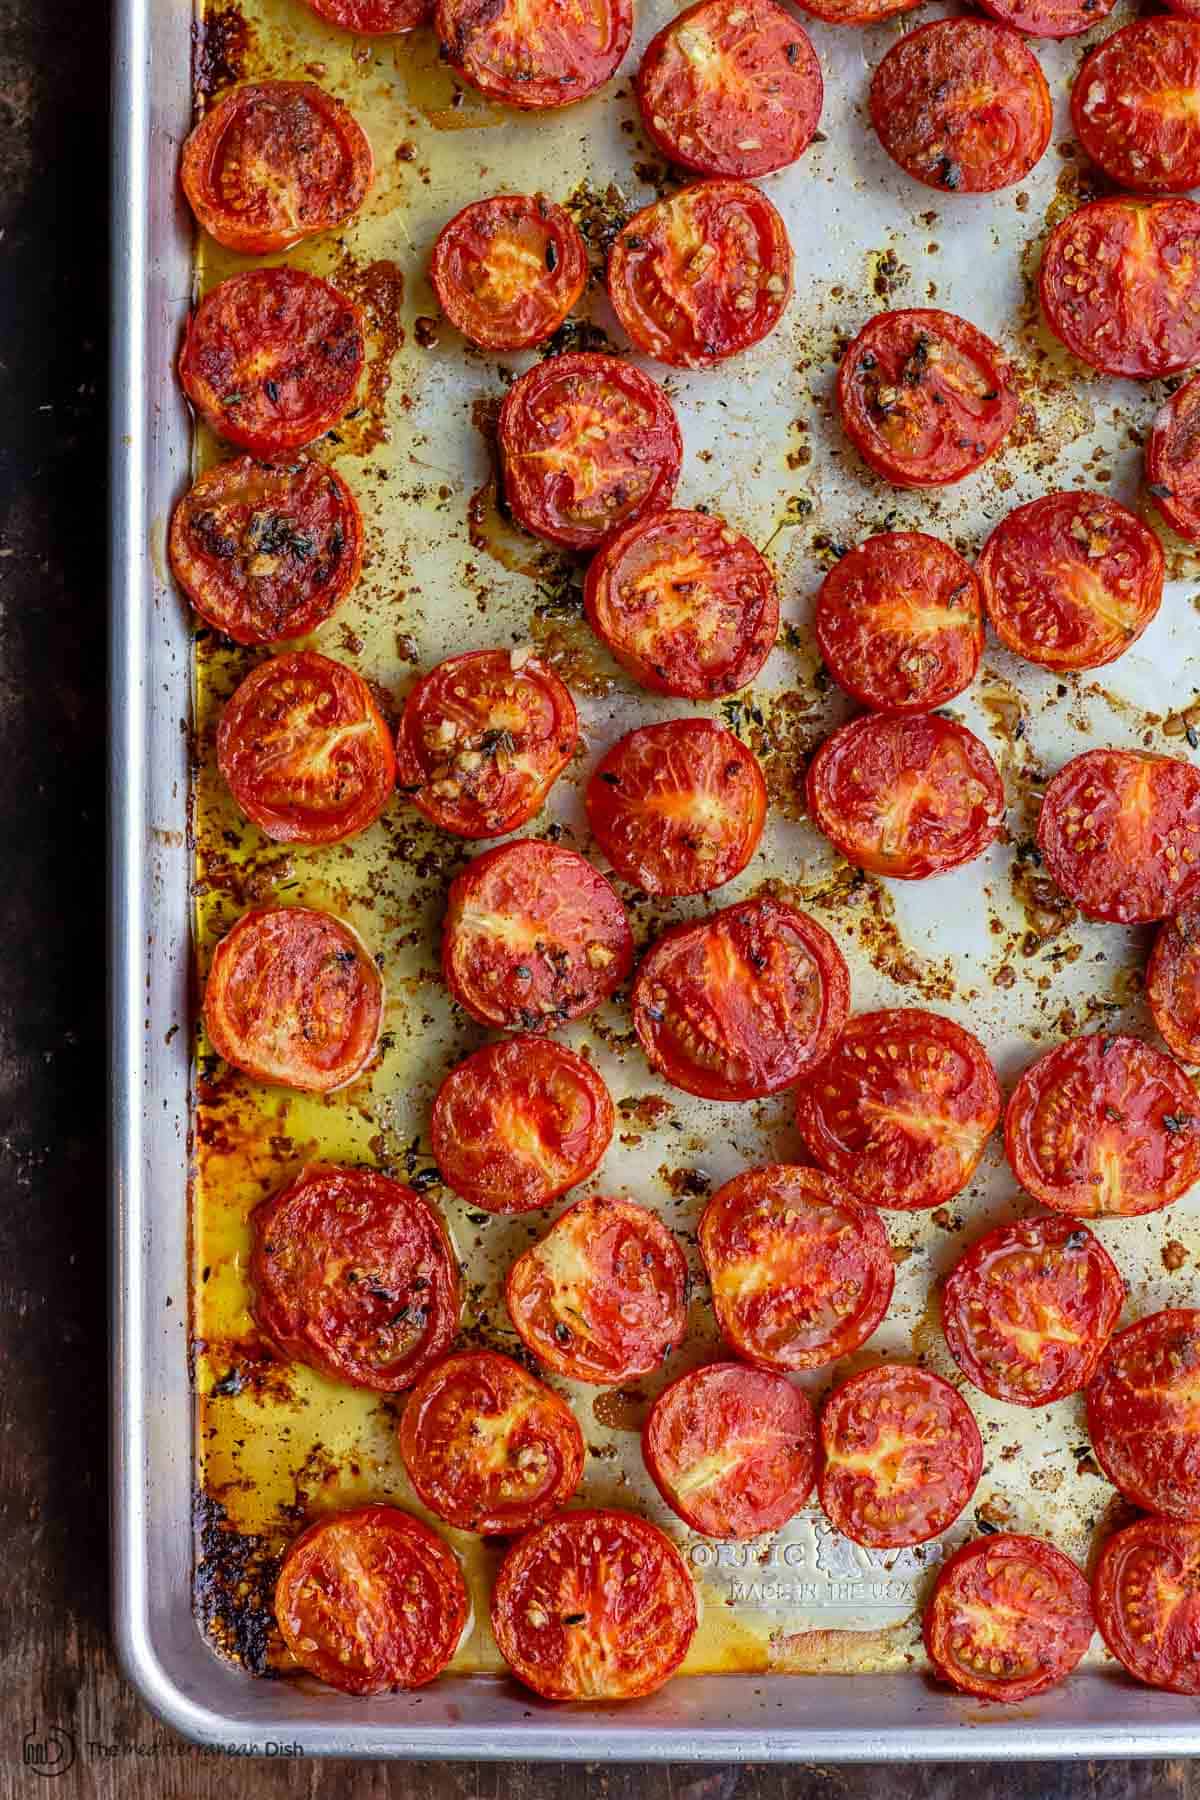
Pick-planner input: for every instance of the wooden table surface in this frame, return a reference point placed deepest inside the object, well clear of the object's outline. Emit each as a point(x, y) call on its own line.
point(56, 1663)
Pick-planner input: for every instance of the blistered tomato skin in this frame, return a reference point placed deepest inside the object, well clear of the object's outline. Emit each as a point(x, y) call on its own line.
point(1009, 1617)
point(731, 87)
point(354, 1275)
point(801, 1272)
point(1119, 832)
point(962, 105)
point(1141, 1413)
point(371, 1600)
point(1133, 108)
point(1049, 18)
point(1104, 1125)
point(594, 1605)
point(1173, 461)
point(899, 622)
point(901, 1456)
point(489, 1447)
point(1072, 580)
point(1120, 285)
point(534, 58)
point(519, 1123)
point(508, 270)
point(743, 1003)
point(1146, 1592)
point(373, 17)
point(602, 1298)
point(732, 1450)
point(1028, 1309)
point(686, 604)
point(1173, 984)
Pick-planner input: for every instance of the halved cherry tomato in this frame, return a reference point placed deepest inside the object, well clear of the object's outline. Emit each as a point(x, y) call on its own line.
point(924, 397)
point(1103, 1125)
point(685, 603)
point(742, 1003)
point(1028, 1309)
point(587, 444)
point(732, 1450)
point(1133, 105)
point(1008, 1618)
point(901, 1109)
point(856, 12)
point(272, 358)
point(594, 1605)
point(266, 553)
point(377, 17)
point(900, 1456)
point(1173, 460)
point(678, 808)
point(353, 1274)
point(899, 622)
point(273, 162)
point(906, 796)
point(1146, 1592)
point(535, 57)
point(294, 998)
point(962, 105)
point(518, 1123)
point(731, 87)
point(1120, 833)
point(489, 1447)
point(1049, 18)
point(1173, 984)
point(371, 1600)
point(1120, 285)
point(306, 750)
point(801, 1272)
point(701, 274)
point(1070, 581)
point(533, 936)
point(1185, 9)
point(602, 1297)
point(508, 270)
point(483, 739)
point(1143, 1414)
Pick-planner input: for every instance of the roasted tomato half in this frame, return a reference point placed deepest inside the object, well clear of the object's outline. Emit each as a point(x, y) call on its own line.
point(266, 553)
point(1173, 984)
point(1143, 1415)
point(353, 1274)
point(1146, 1592)
point(742, 1003)
point(594, 1605)
point(306, 751)
point(1133, 105)
point(371, 1600)
point(732, 1450)
point(373, 16)
point(900, 1456)
point(483, 739)
point(508, 270)
point(924, 397)
point(1009, 1617)
point(686, 604)
point(1104, 1125)
point(701, 274)
point(906, 796)
point(273, 162)
point(962, 105)
point(731, 87)
point(1028, 1309)
point(294, 998)
point(1120, 285)
point(901, 1109)
point(678, 808)
point(801, 1272)
point(518, 1123)
point(533, 936)
point(1120, 833)
point(272, 358)
point(899, 622)
point(1071, 580)
point(489, 1447)
point(1173, 461)
point(587, 444)
point(602, 1297)
point(1049, 18)
point(535, 57)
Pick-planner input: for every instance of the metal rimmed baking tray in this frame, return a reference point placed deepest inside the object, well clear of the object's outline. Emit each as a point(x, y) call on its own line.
point(763, 449)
